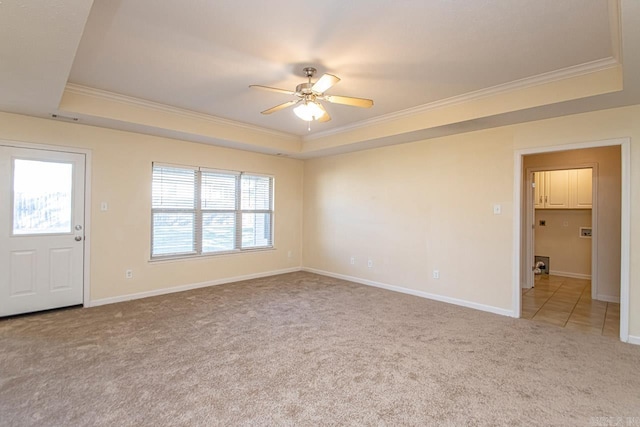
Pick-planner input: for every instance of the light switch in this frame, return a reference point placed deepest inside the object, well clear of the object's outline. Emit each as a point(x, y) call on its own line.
point(497, 209)
point(104, 207)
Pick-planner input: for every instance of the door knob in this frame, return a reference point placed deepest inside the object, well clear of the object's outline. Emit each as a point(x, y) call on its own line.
point(78, 238)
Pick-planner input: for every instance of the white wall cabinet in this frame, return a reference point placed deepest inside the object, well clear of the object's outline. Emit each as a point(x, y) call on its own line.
point(563, 189)
point(583, 195)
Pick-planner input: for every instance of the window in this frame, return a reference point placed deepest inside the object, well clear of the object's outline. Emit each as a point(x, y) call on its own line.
point(42, 197)
point(198, 211)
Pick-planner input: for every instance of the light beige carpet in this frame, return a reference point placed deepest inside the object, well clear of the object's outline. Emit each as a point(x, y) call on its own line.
point(302, 349)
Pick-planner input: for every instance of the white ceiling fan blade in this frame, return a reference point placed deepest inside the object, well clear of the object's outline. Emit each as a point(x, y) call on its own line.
point(348, 100)
point(279, 107)
point(273, 89)
point(324, 83)
point(325, 117)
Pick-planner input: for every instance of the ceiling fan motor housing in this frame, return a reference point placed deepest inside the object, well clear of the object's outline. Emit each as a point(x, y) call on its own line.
point(304, 88)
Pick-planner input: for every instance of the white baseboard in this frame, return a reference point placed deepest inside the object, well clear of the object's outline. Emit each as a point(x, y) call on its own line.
point(634, 340)
point(180, 288)
point(422, 294)
point(569, 274)
point(608, 298)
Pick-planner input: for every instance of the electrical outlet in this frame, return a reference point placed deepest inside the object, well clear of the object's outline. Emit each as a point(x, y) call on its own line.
point(353, 260)
point(290, 254)
point(128, 274)
point(436, 274)
point(369, 263)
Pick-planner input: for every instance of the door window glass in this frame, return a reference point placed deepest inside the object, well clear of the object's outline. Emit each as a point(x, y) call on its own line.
point(41, 197)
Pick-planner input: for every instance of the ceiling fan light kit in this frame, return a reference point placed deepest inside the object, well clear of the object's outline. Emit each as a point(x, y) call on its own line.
point(308, 111)
point(309, 94)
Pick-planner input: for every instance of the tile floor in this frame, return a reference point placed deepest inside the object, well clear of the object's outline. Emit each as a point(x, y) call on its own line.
point(567, 302)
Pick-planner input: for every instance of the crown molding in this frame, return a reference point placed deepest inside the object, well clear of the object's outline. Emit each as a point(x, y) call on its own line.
point(138, 102)
point(527, 82)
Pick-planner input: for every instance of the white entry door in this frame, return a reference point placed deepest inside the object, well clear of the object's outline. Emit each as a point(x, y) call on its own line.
point(41, 229)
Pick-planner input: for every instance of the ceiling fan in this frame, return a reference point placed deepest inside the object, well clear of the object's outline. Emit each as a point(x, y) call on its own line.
point(309, 94)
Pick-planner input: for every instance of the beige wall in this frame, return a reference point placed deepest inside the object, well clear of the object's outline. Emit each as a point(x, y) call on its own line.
point(608, 186)
point(427, 205)
point(415, 208)
point(121, 176)
point(559, 239)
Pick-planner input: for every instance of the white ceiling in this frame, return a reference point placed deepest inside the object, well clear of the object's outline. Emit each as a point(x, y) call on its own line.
point(37, 47)
point(202, 55)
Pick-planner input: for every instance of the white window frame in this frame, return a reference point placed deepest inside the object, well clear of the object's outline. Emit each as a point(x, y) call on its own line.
point(198, 211)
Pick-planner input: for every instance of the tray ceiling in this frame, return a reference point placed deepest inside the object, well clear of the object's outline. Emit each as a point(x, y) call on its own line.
point(199, 57)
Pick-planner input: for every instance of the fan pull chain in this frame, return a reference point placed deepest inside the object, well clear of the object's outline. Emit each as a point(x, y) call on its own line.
point(309, 126)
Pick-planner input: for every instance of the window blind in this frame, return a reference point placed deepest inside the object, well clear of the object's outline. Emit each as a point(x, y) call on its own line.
point(256, 207)
point(200, 211)
point(173, 210)
point(218, 203)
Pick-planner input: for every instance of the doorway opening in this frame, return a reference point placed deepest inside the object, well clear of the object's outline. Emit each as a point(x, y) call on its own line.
point(608, 278)
point(561, 215)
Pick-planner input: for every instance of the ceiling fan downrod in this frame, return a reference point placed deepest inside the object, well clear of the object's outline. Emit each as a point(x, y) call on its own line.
point(309, 72)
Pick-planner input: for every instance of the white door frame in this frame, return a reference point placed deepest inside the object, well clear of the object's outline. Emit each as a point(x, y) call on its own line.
point(87, 204)
point(625, 226)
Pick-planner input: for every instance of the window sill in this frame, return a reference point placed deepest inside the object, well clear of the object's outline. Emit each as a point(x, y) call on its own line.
point(208, 256)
